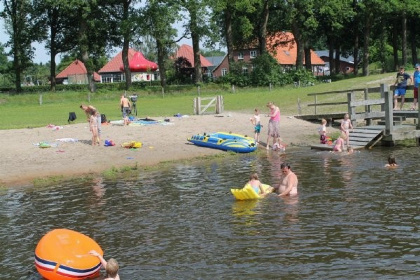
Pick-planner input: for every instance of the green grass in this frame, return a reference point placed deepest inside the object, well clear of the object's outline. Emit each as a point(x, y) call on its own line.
point(25, 110)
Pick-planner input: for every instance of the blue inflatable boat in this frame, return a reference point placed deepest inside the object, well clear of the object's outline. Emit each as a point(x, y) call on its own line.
point(225, 141)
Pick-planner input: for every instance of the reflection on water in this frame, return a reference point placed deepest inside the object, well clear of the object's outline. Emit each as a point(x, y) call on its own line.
point(352, 219)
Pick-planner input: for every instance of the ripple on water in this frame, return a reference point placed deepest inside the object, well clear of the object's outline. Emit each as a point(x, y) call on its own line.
point(352, 217)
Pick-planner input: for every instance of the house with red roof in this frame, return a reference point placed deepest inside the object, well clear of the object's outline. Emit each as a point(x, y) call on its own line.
point(281, 46)
point(141, 68)
point(184, 61)
point(75, 73)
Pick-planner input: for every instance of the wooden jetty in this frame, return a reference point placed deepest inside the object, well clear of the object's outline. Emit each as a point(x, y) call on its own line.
point(374, 119)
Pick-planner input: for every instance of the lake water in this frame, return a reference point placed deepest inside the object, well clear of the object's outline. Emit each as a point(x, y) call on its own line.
point(353, 219)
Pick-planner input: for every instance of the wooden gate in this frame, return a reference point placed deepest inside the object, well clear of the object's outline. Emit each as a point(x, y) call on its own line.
point(200, 105)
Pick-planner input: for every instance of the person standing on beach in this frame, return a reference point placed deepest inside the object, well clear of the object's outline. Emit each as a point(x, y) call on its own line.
point(125, 107)
point(401, 87)
point(89, 109)
point(323, 132)
point(93, 124)
point(345, 128)
point(416, 81)
point(273, 123)
point(256, 121)
point(288, 181)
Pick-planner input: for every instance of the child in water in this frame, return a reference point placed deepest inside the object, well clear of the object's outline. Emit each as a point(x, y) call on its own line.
point(256, 185)
point(391, 162)
point(339, 143)
point(111, 266)
point(278, 146)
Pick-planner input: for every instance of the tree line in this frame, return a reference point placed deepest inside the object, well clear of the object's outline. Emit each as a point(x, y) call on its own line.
point(384, 32)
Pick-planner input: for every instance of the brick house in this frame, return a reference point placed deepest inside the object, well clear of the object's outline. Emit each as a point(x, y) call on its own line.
point(184, 61)
point(281, 46)
point(75, 73)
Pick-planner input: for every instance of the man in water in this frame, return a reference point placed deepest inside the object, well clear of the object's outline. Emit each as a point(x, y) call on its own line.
point(288, 181)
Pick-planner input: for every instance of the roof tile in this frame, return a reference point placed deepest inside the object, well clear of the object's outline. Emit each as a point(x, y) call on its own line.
point(77, 67)
point(114, 64)
point(187, 52)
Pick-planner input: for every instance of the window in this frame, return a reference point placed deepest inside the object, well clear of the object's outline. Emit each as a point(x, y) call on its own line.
point(106, 78)
point(245, 70)
point(253, 54)
point(116, 78)
point(240, 55)
point(224, 72)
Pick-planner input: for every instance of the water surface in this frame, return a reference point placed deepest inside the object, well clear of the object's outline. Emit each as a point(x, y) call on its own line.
point(353, 219)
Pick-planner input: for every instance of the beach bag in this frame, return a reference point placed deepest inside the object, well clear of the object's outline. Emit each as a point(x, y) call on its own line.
point(72, 117)
point(103, 118)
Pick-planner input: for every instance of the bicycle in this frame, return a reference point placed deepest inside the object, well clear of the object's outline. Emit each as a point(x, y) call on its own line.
point(133, 99)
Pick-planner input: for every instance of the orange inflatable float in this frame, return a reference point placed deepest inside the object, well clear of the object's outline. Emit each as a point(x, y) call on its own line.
point(63, 254)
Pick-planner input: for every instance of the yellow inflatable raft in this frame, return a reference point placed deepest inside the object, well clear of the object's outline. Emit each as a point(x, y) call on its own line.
point(248, 192)
point(132, 145)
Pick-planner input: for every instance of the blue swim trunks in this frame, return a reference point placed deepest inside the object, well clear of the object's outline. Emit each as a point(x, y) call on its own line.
point(400, 92)
point(257, 128)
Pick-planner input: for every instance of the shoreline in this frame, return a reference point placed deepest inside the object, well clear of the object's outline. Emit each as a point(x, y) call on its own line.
point(23, 162)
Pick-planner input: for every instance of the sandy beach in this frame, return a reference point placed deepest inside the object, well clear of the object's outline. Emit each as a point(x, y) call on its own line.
point(22, 160)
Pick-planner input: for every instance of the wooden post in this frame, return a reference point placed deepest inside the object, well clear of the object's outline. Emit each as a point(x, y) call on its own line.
point(389, 105)
point(40, 99)
point(368, 108)
point(197, 104)
point(233, 88)
point(163, 92)
point(299, 107)
point(351, 96)
point(418, 118)
point(198, 90)
point(219, 104)
point(315, 104)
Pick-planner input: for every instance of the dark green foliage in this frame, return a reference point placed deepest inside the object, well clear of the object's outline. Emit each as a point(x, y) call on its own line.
point(266, 71)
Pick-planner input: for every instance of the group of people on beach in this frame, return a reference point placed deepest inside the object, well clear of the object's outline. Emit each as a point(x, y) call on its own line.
point(343, 139)
point(94, 118)
point(273, 127)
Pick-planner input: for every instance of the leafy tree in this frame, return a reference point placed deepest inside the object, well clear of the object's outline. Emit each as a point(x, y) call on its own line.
point(209, 53)
point(58, 24)
point(18, 26)
point(266, 71)
point(200, 27)
point(159, 16)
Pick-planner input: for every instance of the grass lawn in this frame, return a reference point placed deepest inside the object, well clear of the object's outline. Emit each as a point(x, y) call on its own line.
point(25, 110)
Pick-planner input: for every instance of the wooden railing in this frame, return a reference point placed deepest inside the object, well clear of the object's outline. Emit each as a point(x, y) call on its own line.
point(362, 109)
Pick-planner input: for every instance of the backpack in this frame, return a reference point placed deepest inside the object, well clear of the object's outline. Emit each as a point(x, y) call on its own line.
point(72, 117)
point(103, 118)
